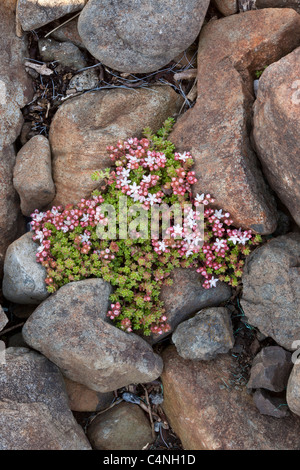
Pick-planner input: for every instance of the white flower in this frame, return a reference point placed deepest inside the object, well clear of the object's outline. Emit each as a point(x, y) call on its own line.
point(54, 211)
point(150, 160)
point(234, 239)
point(190, 223)
point(132, 158)
point(146, 179)
point(38, 217)
point(64, 229)
point(196, 240)
point(219, 214)
point(85, 218)
point(199, 197)
point(152, 198)
point(134, 187)
point(219, 244)
point(162, 246)
point(125, 172)
point(243, 239)
point(135, 196)
point(40, 248)
point(213, 281)
point(39, 235)
point(85, 238)
point(189, 253)
point(125, 181)
point(189, 238)
point(183, 156)
point(178, 230)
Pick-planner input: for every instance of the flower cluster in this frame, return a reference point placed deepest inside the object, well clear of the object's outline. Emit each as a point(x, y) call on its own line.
point(149, 172)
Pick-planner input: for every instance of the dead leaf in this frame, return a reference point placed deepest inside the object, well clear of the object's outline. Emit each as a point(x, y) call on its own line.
point(185, 75)
point(40, 68)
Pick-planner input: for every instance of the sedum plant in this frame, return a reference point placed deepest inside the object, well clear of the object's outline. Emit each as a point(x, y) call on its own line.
point(147, 172)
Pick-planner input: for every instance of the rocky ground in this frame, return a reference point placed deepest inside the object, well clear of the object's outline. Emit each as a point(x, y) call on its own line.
point(78, 76)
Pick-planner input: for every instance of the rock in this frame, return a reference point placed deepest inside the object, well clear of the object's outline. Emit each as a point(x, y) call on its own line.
point(206, 414)
point(255, 87)
point(15, 92)
point(85, 80)
point(33, 176)
point(277, 127)
point(230, 50)
point(83, 127)
point(293, 390)
point(83, 399)
point(271, 369)
point(3, 319)
point(34, 406)
point(10, 214)
point(66, 53)
point(11, 116)
point(69, 33)
point(204, 336)
point(123, 427)
point(227, 7)
point(187, 296)
point(72, 330)
point(140, 37)
point(278, 4)
point(24, 278)
point(271, 289)
point(270, 406)
point(37, 13)
point(15, 85)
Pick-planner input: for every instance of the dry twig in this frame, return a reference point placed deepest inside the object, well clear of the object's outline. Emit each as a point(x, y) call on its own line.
point(59, 26)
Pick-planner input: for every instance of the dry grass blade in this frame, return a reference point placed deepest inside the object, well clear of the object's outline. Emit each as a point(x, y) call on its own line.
point(59, 26)
point(149, 411)
point(11, 328)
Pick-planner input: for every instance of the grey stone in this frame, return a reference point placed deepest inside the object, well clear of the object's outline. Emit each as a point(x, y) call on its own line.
point(71, 329)
point(15, 92)
point(187, 296)
point(34, 412)
point(123, 427)
point(15, 85)
point(85, 80)
point(33, 14)
point(84, 126)
point(10, 214)
point(271, 369)
point(293, 390)
point(24, 278)
point(69, 33)
point(206, 414)
point(227, 7)
point(3, 319)
point(140, 36)
point(32, 176)
point(66, 53)
point(276, 129)
point(225, 164)
point(271, 289)
point(269, 405)
point(204, 336)
point(83, 399)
